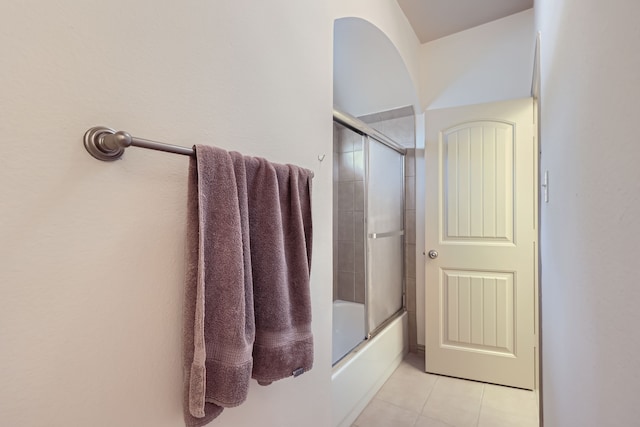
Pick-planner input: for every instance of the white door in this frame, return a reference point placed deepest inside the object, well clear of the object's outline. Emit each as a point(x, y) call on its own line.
point(481, 223)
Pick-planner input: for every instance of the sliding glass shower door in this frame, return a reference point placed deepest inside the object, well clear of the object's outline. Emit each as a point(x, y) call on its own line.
point(368, 233)
point(384, 232)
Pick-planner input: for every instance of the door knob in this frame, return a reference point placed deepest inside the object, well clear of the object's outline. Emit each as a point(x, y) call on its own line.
point(433, 254)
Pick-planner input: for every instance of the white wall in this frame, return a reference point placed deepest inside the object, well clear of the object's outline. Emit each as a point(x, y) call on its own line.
point(387, 16)
point(591, 225)
point(91, 260)
point(491, 62)
point(369, 74)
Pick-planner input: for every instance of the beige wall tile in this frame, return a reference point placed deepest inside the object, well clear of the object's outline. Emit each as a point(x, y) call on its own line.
point(410, 192)
point(410, 261)
point(345, 196)
point(411, 293)
point(358, 226)
point(358, 201)
point(358, 165)
point(345, 167)
point(345, 286)
point(346, 229)
point(413, 332)
point(410, 226)
point(346, 255)
point(410, 162)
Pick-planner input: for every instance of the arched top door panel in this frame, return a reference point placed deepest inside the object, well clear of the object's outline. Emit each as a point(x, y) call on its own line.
point(478, 173)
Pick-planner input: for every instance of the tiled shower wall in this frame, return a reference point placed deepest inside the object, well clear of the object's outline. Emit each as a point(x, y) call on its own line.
point(348, 252)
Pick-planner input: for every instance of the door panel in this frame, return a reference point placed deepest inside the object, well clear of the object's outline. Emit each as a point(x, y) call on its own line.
point(480, 288)
point(478, 309)
point(478, 182)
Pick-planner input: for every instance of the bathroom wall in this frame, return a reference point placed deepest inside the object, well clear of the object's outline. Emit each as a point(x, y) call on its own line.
point(590, 226)
point(92, 253)
point(376, 61)
point(349, 250)
point(491, 62)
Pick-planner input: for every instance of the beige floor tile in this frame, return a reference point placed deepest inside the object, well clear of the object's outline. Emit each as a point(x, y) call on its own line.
point(510, 400)
point(455, 402)
point(383, 414)
point(430, 422)
point(458, 387)
point(408, 392)
point(413, 398)
point(490, 417)
point(458, 411)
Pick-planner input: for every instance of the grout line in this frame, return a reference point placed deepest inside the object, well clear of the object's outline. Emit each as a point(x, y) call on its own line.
point(481, 403)
point(430, 392)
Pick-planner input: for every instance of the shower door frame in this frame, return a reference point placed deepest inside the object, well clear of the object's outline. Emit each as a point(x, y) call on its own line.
point(370, 135)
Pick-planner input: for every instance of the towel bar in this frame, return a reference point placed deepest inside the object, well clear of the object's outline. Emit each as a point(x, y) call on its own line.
point(106, 144)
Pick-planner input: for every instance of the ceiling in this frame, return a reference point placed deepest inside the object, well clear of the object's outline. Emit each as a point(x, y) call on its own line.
point(432, 19)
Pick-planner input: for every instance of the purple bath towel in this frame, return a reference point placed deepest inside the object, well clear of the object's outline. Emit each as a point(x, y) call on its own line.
point(280, 234)
point(247, 301)
point(219, 320)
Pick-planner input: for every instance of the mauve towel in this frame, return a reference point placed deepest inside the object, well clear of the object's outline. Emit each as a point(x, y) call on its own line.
point(281, 238)
point(218, 319)
point(247, 302)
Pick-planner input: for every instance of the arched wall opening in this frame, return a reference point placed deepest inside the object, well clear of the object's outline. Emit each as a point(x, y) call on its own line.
point(369, 74)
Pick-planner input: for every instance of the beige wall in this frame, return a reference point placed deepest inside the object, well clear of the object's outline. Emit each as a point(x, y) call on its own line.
point(387, 17)
point(590, 227)
point(91, 260)
point(491, 62)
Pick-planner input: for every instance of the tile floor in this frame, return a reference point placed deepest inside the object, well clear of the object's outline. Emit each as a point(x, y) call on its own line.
point(412, 398)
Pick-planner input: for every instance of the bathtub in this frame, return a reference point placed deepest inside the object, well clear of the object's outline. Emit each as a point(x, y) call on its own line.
point(348, 328)
point(360, 374)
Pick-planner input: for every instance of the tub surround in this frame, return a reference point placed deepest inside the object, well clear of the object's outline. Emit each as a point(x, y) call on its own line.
point(359, 376)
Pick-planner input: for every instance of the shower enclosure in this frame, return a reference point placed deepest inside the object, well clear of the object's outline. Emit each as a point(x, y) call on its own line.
point(368, 233)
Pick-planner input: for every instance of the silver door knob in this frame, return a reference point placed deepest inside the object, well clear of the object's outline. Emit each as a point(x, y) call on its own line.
point(433, 254)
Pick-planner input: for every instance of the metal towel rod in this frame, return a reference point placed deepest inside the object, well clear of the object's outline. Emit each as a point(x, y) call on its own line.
point(106, 144)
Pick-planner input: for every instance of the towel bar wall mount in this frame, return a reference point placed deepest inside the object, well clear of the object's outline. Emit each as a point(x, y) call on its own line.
point(107, 144)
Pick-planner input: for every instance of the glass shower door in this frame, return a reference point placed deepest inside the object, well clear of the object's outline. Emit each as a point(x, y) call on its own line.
point(385, 233)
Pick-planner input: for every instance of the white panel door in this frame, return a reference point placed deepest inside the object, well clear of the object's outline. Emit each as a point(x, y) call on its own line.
point(480, 219)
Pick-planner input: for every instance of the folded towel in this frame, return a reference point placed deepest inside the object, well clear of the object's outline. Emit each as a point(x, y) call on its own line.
point(281, 240)
point(219, 320)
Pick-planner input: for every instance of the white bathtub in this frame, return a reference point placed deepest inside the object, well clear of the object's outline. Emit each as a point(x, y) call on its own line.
point(348, 328)
point(359, 375)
